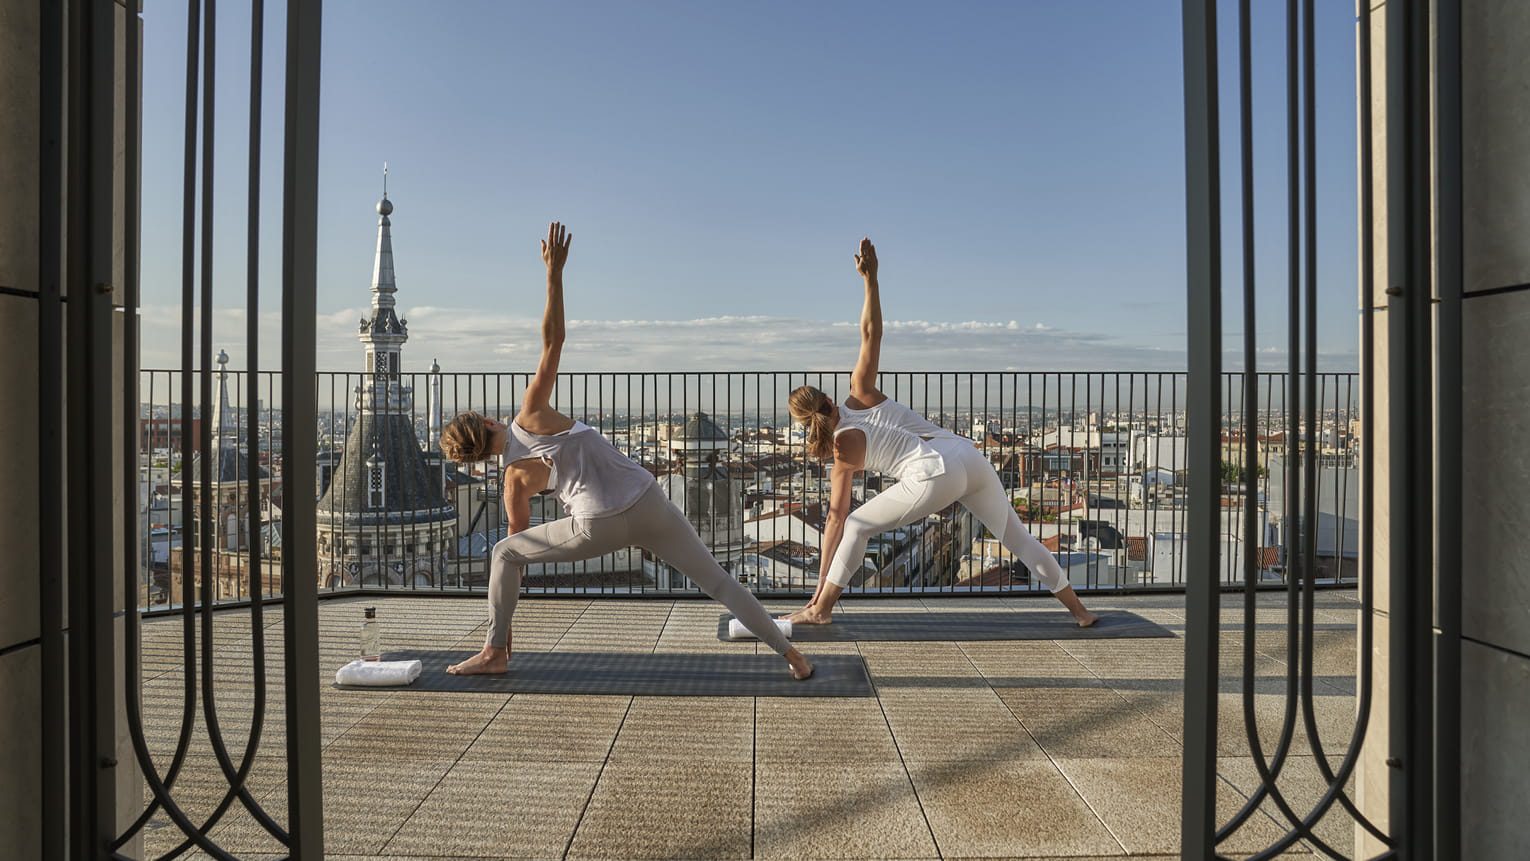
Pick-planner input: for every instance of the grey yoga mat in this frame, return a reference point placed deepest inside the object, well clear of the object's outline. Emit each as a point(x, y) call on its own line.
point(671, 674)
point(870, 625)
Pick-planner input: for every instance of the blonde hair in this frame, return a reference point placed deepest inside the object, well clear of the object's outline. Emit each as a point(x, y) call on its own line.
point(812, 407)
point(467, 438)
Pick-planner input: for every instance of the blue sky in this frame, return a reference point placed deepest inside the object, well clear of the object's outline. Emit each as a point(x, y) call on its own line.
point(1019, 165)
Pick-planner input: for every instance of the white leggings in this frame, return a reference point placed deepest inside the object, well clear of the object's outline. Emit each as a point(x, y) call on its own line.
point(652, 523)
point(968, 479)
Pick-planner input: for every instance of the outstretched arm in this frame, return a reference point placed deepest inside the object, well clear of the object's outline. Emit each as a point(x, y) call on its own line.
point(535, 408)
point(849, 458)
point(863, 381)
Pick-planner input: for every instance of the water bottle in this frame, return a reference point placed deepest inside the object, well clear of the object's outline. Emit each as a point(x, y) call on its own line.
point(371, 637)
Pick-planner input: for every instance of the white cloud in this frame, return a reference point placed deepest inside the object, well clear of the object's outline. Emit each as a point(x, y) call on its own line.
point(466, 339)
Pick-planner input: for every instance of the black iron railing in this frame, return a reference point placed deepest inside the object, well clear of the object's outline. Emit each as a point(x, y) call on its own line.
point(1095, 462)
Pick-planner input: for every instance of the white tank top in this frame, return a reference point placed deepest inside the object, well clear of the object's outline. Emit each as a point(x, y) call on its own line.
point(891, 413)
point(892, 450)
point(590, 477)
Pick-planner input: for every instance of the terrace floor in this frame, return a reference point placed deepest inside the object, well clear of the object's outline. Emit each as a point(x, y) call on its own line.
point(1013, 749)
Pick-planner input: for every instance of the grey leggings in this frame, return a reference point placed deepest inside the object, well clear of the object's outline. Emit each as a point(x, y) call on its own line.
point(652, 523)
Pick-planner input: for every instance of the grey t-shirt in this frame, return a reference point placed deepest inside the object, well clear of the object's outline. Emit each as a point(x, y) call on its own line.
point(590, 477)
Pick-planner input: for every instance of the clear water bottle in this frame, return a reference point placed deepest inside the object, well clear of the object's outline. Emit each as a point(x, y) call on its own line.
point(371, 637)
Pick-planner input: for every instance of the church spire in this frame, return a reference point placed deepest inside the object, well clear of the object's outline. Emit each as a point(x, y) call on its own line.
point(384, 517)
point(383, 284)
point(224, 421)
point(383, 334)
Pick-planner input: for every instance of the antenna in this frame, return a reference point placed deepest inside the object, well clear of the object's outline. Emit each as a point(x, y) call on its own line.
point(385, 179)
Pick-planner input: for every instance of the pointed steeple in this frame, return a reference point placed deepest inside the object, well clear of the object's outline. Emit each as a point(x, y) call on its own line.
point(229, 461)
point(225, 423)
point(433, 408)
point(384, 333)
point(383, 285)
point(384, 322)
point(382, 482)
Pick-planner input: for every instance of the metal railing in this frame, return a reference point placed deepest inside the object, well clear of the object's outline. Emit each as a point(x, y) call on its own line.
point(1094, 461)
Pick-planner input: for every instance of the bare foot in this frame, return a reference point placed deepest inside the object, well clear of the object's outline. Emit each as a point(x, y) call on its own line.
point(488, 662)
point(810, 616)
point(807, 606)
point(801, 667)
point(1081, 615)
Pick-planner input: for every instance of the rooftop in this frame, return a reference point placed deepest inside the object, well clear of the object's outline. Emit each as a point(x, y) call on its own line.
point(1015, 749)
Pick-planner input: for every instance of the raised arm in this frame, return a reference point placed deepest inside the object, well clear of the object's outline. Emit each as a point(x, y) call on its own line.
point(863, 381)
point(535, 407)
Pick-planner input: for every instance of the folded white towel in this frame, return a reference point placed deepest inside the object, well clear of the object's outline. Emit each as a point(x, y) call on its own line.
point(737, 631)
point(378, 674)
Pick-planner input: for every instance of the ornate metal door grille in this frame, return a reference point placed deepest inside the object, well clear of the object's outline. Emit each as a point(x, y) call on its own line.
point(85, 46)
point(1423, 195)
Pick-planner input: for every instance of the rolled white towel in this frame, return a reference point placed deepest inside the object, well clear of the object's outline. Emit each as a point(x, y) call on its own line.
point(378, 674)
point(737, 631)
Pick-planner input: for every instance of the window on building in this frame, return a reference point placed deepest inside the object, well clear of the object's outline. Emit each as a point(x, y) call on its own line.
point(377, 484)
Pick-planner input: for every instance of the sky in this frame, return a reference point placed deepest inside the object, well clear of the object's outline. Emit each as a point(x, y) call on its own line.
point(1020, 166)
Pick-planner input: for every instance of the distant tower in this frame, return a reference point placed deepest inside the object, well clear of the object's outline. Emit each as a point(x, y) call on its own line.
point(230, 469)
point(712, 499)
point(227, 509)
point(225, 421)
point(433, 408)
point(384, 519)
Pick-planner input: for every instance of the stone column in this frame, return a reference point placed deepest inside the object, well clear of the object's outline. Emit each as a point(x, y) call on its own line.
point(1371, 776)
point(1495, 474)
point(20, 472)
point(1495, 457)
point(20, 652)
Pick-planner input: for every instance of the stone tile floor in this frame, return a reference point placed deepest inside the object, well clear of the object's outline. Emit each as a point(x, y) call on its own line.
point(1013, 749)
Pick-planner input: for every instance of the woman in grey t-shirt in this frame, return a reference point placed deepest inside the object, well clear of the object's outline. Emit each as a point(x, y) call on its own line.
point(611, 501)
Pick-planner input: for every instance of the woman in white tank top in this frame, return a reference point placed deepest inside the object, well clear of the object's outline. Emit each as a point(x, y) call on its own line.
point(612, 502)
point(934, 468)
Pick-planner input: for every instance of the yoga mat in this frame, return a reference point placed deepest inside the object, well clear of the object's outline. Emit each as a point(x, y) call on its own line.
point(870, 626)
point(670, 674)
